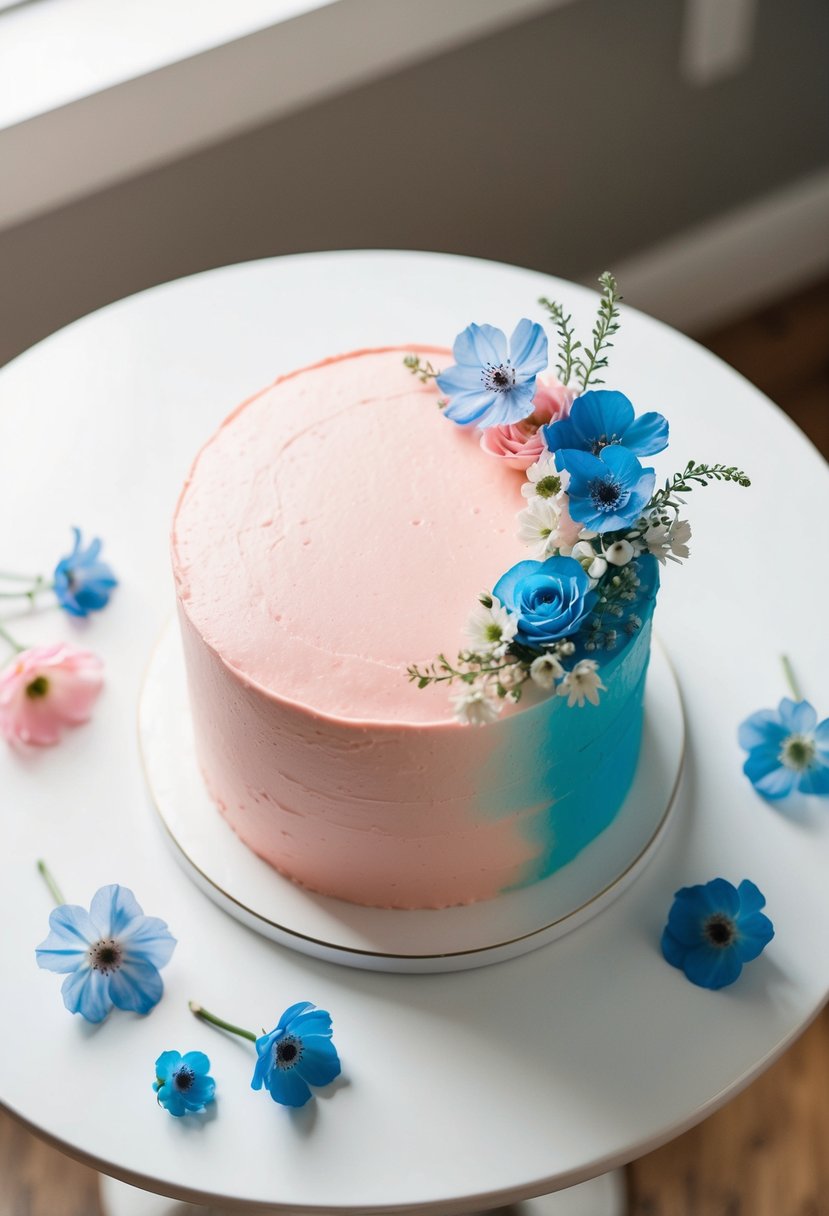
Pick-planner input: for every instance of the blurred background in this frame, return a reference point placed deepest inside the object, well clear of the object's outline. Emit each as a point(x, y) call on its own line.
point(682, 143)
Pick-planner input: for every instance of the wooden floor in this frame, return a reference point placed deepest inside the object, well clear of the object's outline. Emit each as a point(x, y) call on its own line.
point(767, 1152)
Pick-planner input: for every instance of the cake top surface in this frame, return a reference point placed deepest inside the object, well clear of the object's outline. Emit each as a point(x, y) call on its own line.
point(334, 530)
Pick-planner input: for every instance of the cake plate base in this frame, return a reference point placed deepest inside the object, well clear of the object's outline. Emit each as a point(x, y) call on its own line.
point(603, 1196)
point(451, 939)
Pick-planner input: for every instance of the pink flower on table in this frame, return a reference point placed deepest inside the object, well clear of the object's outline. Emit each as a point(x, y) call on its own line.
point(519, 444)
point(46, 688)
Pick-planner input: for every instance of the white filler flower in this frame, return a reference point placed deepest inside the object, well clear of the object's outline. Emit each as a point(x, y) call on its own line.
point(538, 527)
point(582, 683)
point(545, 670)
point(476, 706)
point(543, 479)
point(490, 630)
point(668, 541)
point(620, 553)
point(590, 561)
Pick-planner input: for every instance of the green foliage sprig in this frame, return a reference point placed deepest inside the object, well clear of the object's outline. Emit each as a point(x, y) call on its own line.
point(567, 347)
point(666, 502)
point(421, 368)
point(593, 358)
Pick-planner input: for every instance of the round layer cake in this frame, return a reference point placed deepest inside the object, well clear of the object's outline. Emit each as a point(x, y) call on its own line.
point(335, 530)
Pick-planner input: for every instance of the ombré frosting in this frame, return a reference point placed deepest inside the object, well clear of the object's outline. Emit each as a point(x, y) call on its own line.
point(334, 530)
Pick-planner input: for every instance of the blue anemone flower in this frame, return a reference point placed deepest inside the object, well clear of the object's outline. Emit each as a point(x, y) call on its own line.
point(112, 954)
point(298, 1053)
point(489, 384)
point(606, 492)
point(602, 417)
point(715, 928)
point(182, 1084)
point(787, 750)
point(83, 583)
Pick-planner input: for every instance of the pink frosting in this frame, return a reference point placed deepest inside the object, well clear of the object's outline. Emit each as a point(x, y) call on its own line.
point(335, 529)
point(520, 444)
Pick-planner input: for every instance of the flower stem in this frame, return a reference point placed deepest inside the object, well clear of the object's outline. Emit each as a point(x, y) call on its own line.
point(49, 879)
point(791, 679)
point(20, 578)
point(7, 637)
point(38, 586)
point(206, 1016)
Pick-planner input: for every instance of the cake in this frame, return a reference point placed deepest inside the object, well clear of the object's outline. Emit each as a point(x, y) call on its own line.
point(330, 540)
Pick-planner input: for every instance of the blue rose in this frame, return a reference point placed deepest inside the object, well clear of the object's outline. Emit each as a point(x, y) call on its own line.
point(551, 599)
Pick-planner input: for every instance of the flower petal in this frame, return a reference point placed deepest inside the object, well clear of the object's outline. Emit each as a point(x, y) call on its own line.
point(756, 931)
point(479, 345)
point(148, 938)
point(466, 408)
point(87, 992)
point(505, 587)
point(815, 780)
point(200, 1093)
point(136, 985)
point(315, 1022)
point(673, 951)
point(601, 413)
point(320, 1063)
point(528, 348)
point(713, 967)
point(752, 898)
point(287, 1087)
point(72, 932)
point(166, 1062)
point(112, 909)
point(769, 777)
point(762, 729)
point(720, 896)
point(799, 717)
point(647, 435)
point(171, 1099)
point(197, 1061)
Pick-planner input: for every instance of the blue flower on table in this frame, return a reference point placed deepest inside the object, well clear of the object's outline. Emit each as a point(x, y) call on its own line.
point(713, 929)
point(601, 418)
point(788, 749)
point(297, 1054)
point(112, 954)
point(83, 583)
point(550, 598)
point(490, 384)
point(182, 1083)
point(607, 492)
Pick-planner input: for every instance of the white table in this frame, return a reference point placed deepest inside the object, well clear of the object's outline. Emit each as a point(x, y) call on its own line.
point(460, 1091)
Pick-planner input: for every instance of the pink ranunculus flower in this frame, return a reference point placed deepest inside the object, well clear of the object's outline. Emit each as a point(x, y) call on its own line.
point(519, 444)
point(46, 688)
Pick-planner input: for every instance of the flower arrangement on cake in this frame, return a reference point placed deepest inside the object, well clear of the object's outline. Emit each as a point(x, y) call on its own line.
point(594, 521)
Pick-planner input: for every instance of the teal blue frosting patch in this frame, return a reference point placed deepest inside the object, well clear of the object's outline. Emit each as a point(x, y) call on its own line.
point(561, 772)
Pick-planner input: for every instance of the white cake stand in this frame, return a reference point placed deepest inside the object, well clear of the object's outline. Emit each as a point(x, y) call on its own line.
point(461, 1091)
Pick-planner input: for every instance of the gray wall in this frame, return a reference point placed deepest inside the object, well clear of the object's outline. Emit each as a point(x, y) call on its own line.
point(565, 144)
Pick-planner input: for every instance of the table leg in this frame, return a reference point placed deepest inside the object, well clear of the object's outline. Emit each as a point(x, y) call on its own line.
point(604, 1196)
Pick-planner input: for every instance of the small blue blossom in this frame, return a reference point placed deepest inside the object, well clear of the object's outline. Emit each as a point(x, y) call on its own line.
point(607, 492)
point(602, 417)
point(83, 583)
point(298, 1053)
point(713, 929)
point(182, 1084)
point(788, 750)
point(551, 599)
point(112, 954)
point(489, 384)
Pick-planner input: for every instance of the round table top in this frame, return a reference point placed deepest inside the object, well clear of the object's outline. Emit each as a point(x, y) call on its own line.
point(459, 1091)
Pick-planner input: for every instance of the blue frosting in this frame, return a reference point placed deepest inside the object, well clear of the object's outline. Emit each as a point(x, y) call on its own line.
point(562, 772)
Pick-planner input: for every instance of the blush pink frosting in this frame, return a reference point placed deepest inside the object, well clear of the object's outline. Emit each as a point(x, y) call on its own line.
point(519, 444)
